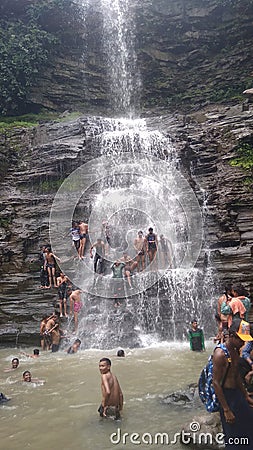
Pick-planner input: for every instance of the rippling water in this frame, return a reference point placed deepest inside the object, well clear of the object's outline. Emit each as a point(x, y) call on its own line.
point(62, 412)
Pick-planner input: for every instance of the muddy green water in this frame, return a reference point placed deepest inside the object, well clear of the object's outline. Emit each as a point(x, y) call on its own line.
point(61, 414)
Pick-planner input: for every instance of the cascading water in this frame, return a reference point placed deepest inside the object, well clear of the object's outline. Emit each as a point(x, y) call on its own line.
point(131, 187)
point(133, 184)
point(118, 42)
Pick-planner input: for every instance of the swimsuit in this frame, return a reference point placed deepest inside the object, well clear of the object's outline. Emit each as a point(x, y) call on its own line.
point(62, 290)
point(111, 411)
point(151, 241)
point(77, 306)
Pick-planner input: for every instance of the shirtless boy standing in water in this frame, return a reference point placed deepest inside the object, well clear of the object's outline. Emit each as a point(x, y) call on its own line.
point(112, 397)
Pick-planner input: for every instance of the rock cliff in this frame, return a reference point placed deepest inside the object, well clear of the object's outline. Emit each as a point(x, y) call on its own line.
point(189, 54)
point(38, 160)
point(194, 58)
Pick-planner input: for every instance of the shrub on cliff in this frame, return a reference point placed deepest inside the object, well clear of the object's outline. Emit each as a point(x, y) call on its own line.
point(29, 34)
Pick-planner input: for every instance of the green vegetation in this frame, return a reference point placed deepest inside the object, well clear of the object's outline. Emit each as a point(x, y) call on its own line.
point(32, 120)
point(23, 51)
point(50, 185)
point(28, 38)
point(5, 222)
point(245, 157)
point(4, 127)
point(244, 160)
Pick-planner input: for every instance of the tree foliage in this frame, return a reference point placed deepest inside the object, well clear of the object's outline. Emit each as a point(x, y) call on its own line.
point(245, 156)
point(26, 42)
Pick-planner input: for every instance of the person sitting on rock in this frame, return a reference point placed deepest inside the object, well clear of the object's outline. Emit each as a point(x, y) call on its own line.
point(117, 274)
point(130, 266)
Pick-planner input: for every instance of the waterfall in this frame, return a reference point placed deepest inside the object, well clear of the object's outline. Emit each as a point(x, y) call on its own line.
point(118, 38)
point(132, 184)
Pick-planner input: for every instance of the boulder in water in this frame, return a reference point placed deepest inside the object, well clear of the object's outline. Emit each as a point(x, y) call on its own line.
point(203, 432)
point(183, 397)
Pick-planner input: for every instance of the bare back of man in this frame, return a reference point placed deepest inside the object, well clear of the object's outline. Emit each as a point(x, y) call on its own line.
point(112, 397)
point(75, 297)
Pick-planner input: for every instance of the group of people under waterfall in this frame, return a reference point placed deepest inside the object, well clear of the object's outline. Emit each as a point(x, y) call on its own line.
point(148, 251)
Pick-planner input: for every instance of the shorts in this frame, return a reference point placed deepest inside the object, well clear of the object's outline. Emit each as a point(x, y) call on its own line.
point(55, 348)
point(62, 295)
point(112, 412)
point(77, 306)
point(51, 266)
point(82, 236)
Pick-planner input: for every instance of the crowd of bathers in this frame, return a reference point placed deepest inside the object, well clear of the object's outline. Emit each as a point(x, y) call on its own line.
point(45, 344)
point(147, 251)
point(233, 304)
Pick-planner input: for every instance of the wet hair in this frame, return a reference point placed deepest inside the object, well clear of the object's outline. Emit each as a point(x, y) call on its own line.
point(235, 326)
point(150, 229)
point(25, 372)
point(140, 232)
point(77, 341)
point(120, 353)
point(15, 359)
point(107, 360)
point(240, 289)
point(36, 351)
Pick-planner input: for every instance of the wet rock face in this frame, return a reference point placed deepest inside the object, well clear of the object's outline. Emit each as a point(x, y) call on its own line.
point(190, 53)
point(224, 191)
point(45, 156)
